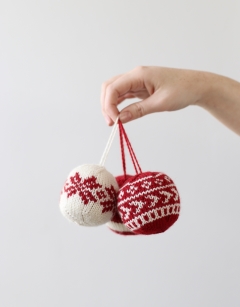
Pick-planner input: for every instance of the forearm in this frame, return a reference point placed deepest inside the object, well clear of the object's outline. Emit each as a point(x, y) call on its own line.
point(222, 100)
point(169, 89)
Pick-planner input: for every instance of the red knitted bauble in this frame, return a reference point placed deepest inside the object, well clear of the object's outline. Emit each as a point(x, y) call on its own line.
point(121, 180)
point(116, 224)
point(149, 203)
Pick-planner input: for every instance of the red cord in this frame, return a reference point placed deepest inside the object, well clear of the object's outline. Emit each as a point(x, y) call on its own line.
point(131, 155)
point(122, 151)
point(131, 150)
point(136, 165)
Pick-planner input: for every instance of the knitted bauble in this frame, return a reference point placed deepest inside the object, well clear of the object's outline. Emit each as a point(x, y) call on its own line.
point(121, 180)
point(89, 195)
point(116, 224)
point(149, 203)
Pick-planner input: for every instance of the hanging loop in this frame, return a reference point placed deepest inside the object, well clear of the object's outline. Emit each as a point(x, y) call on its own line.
point(109, 143)
point(123, 135)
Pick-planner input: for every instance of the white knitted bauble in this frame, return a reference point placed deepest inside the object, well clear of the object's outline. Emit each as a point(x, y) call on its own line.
point(89, 195)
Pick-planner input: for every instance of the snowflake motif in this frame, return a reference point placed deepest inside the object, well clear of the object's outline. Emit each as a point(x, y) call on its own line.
point(108, 205)
point(82, 187)
point(91, 191)
point(111, 192)
point(101, 194)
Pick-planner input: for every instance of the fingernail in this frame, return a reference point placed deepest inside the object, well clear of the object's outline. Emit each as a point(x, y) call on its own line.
point(125, 117)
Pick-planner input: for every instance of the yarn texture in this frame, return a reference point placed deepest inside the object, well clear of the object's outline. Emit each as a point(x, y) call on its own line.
point(116, 224)
point(146, 203)
point(149, 203)
point(89, 195)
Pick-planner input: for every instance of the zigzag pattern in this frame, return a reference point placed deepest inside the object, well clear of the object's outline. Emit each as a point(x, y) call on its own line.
point(134, 197)
point(145, 178)
point(149, 203)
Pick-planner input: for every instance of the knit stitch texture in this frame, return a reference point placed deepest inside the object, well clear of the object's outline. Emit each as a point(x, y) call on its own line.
point(89, 195)
point(149, 203)
point(116, 224)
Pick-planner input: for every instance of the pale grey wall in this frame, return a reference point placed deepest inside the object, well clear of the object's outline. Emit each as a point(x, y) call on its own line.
point(54, 55)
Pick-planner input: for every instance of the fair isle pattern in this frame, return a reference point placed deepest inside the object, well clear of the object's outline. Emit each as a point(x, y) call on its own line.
point(149, 203)
point(116, 224)
point(152, 215)
point(89, 190)
point(89, 195)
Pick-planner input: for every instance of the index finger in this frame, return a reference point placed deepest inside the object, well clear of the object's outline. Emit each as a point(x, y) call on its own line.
point(102, 98)
point(129, 82)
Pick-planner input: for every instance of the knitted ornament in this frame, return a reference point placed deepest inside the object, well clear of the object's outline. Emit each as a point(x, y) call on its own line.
point(89, 194)
point(149, 202)
point(116, 224)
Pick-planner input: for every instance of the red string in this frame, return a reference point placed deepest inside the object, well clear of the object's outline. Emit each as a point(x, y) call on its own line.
point(122, 150)
point(131, 149)
point(131, 155)
point(123, 135)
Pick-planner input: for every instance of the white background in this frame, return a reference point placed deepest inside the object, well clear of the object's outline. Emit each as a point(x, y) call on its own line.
point(54, 56)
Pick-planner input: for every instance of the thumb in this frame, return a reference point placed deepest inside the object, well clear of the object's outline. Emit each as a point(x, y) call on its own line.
point(138, 109)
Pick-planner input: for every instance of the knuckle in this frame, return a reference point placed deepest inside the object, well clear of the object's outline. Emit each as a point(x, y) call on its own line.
point(104, 85)
point(140, 69)
point(139, 109)
point(109, 89)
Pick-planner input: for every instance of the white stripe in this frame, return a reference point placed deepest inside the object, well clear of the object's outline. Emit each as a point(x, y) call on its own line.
point(159, 213)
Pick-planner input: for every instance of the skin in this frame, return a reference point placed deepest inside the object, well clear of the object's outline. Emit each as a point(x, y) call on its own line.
point(169, 89)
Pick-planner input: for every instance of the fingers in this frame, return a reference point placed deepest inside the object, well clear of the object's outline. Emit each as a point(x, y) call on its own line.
point(103, 93)
point(116, 90)
point(127, 96)
point(161, 89)
point(137, 110)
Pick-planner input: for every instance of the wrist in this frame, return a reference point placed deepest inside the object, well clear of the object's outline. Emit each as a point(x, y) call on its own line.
point(217, 90)
point(221, 97)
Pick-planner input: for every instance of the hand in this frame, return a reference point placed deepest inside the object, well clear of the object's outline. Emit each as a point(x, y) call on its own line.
point(169, 89)
point(160, 89)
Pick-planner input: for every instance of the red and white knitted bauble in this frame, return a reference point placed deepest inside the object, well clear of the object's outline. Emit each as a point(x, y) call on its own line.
point(149, 203)
point(116, 224)
point(89, 195)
